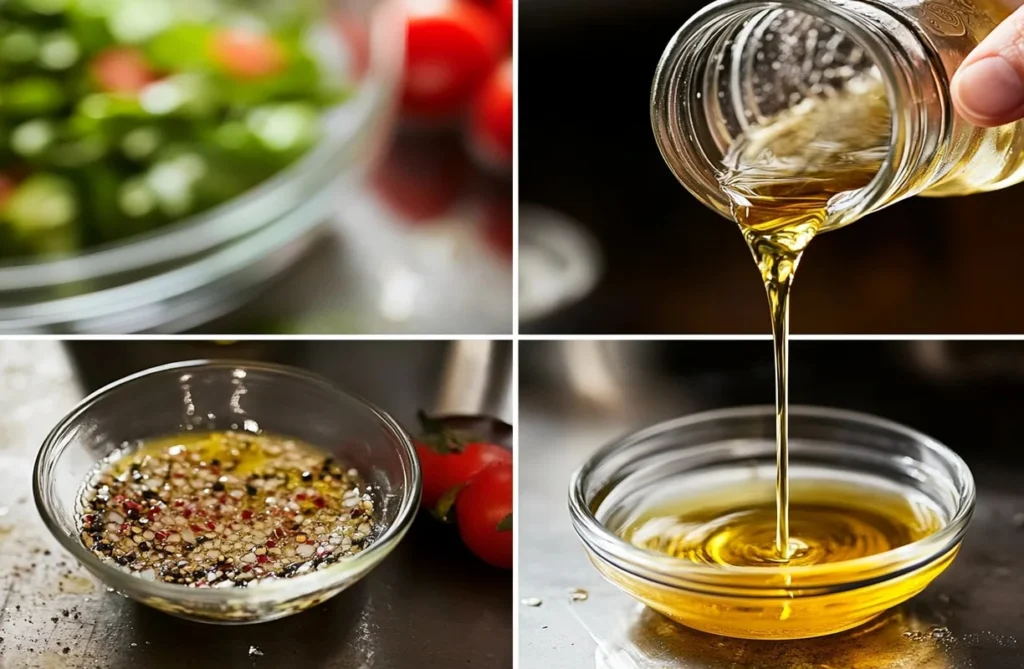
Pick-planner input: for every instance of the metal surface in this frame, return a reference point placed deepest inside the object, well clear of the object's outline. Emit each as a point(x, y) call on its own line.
point(970, 618)
point(431, 604)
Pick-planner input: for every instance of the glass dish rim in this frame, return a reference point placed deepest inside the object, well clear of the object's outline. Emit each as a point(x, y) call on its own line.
point(279, 590)
point(612, 548)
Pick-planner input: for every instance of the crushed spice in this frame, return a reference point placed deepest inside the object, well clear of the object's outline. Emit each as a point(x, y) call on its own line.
point(224, 509)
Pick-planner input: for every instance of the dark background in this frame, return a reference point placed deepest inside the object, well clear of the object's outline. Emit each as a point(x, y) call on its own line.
point(943, 266)
point(967, 394)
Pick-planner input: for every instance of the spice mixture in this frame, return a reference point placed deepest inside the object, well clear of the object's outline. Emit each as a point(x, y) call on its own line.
point(224, 509)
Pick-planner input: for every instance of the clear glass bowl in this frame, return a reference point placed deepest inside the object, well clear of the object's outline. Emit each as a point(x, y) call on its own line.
point(771, 602)
point(187, 273)
point(203, 395)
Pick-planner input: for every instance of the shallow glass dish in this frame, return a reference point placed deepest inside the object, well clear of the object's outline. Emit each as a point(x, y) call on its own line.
point(186, 273)
point(222, 395)
point(738, 445)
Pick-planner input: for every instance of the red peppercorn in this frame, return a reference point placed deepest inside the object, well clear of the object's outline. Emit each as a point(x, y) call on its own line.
point(187, 513)
point(130, 505)
point(262, 559)
point(301, 496)
point(319, 502)
point(161, 535)
point(195, 528)
point(247, 567)
point(247, 514)
point(179, 502)
point(125, 527)
point(271, 543)
point(88, 518)
point(211, 526)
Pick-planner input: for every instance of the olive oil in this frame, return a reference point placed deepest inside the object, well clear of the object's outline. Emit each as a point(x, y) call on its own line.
point(224, 509)
point(724, 521)
point(780, 178)
point(829, 523)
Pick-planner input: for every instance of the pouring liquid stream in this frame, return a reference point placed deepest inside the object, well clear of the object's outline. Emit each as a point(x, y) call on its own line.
point(781, 177)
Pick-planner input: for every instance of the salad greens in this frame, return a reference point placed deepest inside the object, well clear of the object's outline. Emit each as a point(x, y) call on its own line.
point(120, 116)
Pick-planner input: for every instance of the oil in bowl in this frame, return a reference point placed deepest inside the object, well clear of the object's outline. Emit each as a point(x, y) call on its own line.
point(226, 491)
point(224, 509)
point(682, 516)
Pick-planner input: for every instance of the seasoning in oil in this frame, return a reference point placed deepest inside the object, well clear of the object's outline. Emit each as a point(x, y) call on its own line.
point(223, 509)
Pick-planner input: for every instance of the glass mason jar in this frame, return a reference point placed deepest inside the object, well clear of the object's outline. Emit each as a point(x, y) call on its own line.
point(738, 63)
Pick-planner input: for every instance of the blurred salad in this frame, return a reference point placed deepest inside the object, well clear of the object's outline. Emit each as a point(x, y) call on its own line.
point(120, 116)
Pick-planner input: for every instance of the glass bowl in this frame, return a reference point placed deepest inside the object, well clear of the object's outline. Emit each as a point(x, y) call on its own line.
point(204, 395)
point(184, 274)
point(738, 445)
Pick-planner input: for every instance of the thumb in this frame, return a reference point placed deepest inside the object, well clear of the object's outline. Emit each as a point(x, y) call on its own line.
point(988, 88)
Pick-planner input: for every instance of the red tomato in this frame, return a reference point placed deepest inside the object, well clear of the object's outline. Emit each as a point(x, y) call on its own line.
point(503, 10)
point(122, 70)
point(490, 130)
point(498, 227)
point(7, 187)
point(246, 54)
point(484, 513)
point(422, 176)
point(451, 47)
point(444, 471)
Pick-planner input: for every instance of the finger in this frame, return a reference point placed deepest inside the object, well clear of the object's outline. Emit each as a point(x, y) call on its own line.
point(988, 88)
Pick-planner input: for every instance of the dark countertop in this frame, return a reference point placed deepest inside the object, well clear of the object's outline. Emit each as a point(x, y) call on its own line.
point(575, 397)
point(586, 150)
point(430, 604)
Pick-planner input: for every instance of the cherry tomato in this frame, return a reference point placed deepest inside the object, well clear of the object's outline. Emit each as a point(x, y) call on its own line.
point(451, 47)
point(422, 176)
point(490, 129)
point(442, 472)
point(122, 70)
point(484, 513)
point(503, 10)
point(246, 54)
point(497, 224)
point(8, 184)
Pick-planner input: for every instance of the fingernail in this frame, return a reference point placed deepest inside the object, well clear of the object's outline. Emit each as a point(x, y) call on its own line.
point(990, 88)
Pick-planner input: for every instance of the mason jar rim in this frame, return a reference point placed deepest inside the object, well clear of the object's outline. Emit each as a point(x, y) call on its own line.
point(690, 164)
point(847, 574)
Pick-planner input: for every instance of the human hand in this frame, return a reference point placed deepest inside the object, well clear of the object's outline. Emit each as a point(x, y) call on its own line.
point(988, 88)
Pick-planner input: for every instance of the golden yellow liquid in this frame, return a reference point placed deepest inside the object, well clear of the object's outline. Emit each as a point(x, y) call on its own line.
point(727, 525)
point(780, 178)
point(828, 524)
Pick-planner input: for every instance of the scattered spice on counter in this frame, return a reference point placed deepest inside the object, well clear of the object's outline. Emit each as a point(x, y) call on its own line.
point(224, 509)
